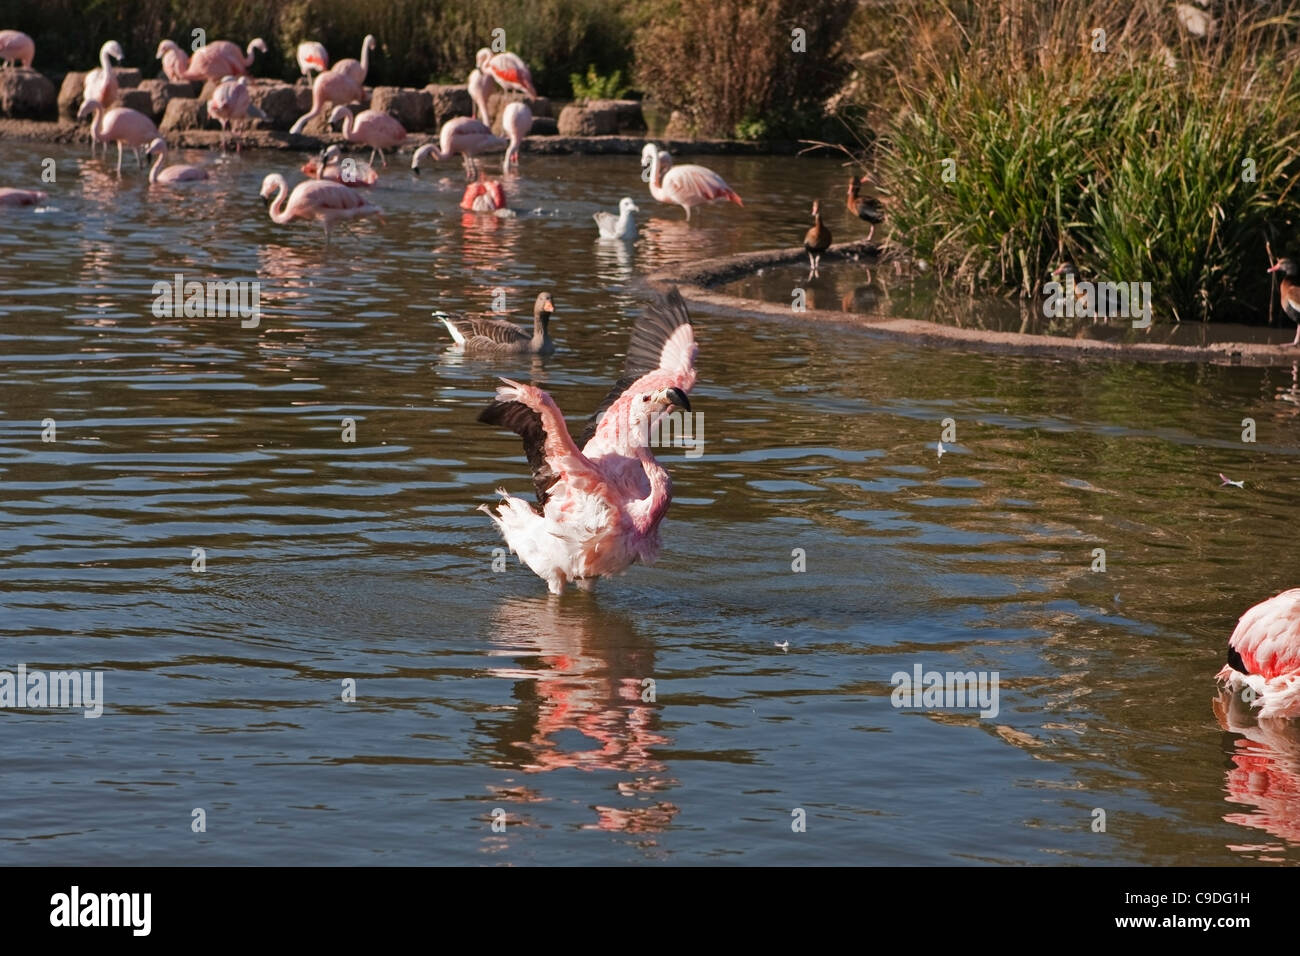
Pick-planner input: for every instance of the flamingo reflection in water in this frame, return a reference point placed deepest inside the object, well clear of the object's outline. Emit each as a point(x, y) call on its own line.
point(1264, 778)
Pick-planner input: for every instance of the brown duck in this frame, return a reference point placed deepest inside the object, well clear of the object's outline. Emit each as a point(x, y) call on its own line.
point(866, 207)
point(817, 240)
point(481, 336)
point(1290, 292)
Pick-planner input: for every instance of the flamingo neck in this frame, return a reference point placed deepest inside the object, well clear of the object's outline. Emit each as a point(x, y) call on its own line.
point(278, 203)
point(647, 512)
point(156, 169)
point(97, 123)
point(103, 61)
point(365, 57)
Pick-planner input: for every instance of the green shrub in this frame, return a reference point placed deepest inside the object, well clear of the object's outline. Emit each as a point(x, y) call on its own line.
point(597, 87)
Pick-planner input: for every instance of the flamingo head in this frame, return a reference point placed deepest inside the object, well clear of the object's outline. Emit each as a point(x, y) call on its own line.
point(270, 185)
point(369, 42)
point(1287, 268)
point(88, 108)
point(626, 205)
point(159, 145)
point(427, 150)
point(113, 49)
point(648, 156)
point(481, 57)
point(257, 44)
point(332, 154)
point(340, 114)
point(165, 47)
point(648, 407)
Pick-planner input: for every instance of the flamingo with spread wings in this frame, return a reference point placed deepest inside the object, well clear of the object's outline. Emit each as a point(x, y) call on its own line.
point(600, 500)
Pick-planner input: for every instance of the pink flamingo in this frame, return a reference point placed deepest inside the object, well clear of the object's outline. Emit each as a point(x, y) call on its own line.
point(100, 84)
point(1264, 656)
point(175, 61)
point(480, 85)
point(329, 87)
point(312, 56)
point(16, 47)
point(230, 102)
point(507, 69)
point(179, 173)
point(354, 69)
point(331, 165)
point(484, 195)
point(212, 62)
point(119, 125)
point(516, 121)
point(21, 197)
point(685, 186)
point(463, 135)
point(377, 130)
point(599, 507)
point(314, 199)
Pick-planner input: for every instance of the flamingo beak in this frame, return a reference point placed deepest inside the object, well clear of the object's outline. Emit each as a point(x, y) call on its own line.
point(674, 396)
point(1276, 267)
point(645, 172)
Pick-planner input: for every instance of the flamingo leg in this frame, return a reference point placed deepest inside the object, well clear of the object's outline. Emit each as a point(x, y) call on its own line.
point(1296, 340)
point(688, 213)
point(119, 157)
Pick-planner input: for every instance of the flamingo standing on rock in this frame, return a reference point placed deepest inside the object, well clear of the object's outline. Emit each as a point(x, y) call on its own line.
point(480, 85)
point(314, 199)
point(377, 130)
point(463, 135)
point(1264, 657)
point(330, 87)
point(16, 47)
point(219, 58)
point(599, 506)
point(231, 102)
point(20, 197)
point(354, 69)
point(330, 165)
point(119, 125)
point(179, 173)
point(312, 56)
point(175, 61)
point(685, 186)
point(516, 121)
point(510, 72)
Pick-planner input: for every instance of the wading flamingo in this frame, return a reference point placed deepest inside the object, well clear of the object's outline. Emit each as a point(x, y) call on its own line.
point(15, 48)
point(817, 240)
point(21, 197)
point(230, 103)
point(354, 69)
point(312, 56)
point(1290, 292)
point(100, 83)
point(507, 69)
point(1264, 656)
point(866, 207)
point(314, 199)
point(175, 61)
point(377, 130)
point(119, 125)
point(685, 186)
point(516, 121)
point(599, 506)
point(476, 335)
point(332, 166)
point(480, 85)
point(622, 226)
point(484, 195)
point(463, 135)
point(180, 173)
point(330, 87)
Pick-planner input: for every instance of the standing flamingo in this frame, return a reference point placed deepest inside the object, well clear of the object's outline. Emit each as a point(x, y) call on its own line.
point(175, 61)
point(377, 130)
point(314, 199)
point(20, 197)
point(480, 85)
point(463, 135)
point(179, 173)
point(231, 102)
point(119, 125)
point(516, 121)
point(354, 69)
point(483, 195)
point(329, 87)
point(1264, 656)
point(100, 84)
point(312, 56)
point(331, 165)
point(507, 69)
point(685, 186)
point(599, 507)
point(16, 47)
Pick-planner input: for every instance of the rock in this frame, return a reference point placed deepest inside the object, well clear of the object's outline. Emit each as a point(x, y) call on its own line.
point(282, 103)
point(412, 108)
point(128, 77)
point(182, 114)
point(141, 101)
point(544, 126)
point(630, 117)
point(161, 93)
point(26, 94)
point(588, 120)
point(679, 127)
point(449, 102)
point(69, 99)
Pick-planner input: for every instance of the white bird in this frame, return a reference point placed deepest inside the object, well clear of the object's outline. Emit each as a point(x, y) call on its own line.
point(622, 226)
point(1228, 481)
point(941, 449)
point(784, 645)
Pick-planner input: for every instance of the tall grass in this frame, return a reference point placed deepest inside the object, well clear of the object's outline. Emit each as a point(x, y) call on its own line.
point(1128, 160)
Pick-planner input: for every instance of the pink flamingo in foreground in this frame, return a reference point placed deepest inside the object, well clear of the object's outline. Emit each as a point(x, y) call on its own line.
point(357, 70)
point(685, 186)
point(179, 173)
point(16, 47)
point(377, 130)
point(314, 199)
point(231, 102)
point(463, 135)
point(599, 506)
point(119, 125)
point(1264, 656)
point(312, 56)
point(21, 197)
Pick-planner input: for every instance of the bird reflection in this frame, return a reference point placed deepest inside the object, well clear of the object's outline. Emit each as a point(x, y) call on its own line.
point(615, 259)
point(1265, 773)
point(583, 702)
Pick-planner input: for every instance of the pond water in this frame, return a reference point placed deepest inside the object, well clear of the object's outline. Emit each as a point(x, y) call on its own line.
point(476, 692)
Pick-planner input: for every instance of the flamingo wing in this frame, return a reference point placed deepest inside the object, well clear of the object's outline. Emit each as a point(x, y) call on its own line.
point(1267, 638)
point(510, 70)
point(695, 184)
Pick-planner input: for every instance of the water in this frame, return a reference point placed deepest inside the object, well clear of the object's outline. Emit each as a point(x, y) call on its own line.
point(476, 691)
